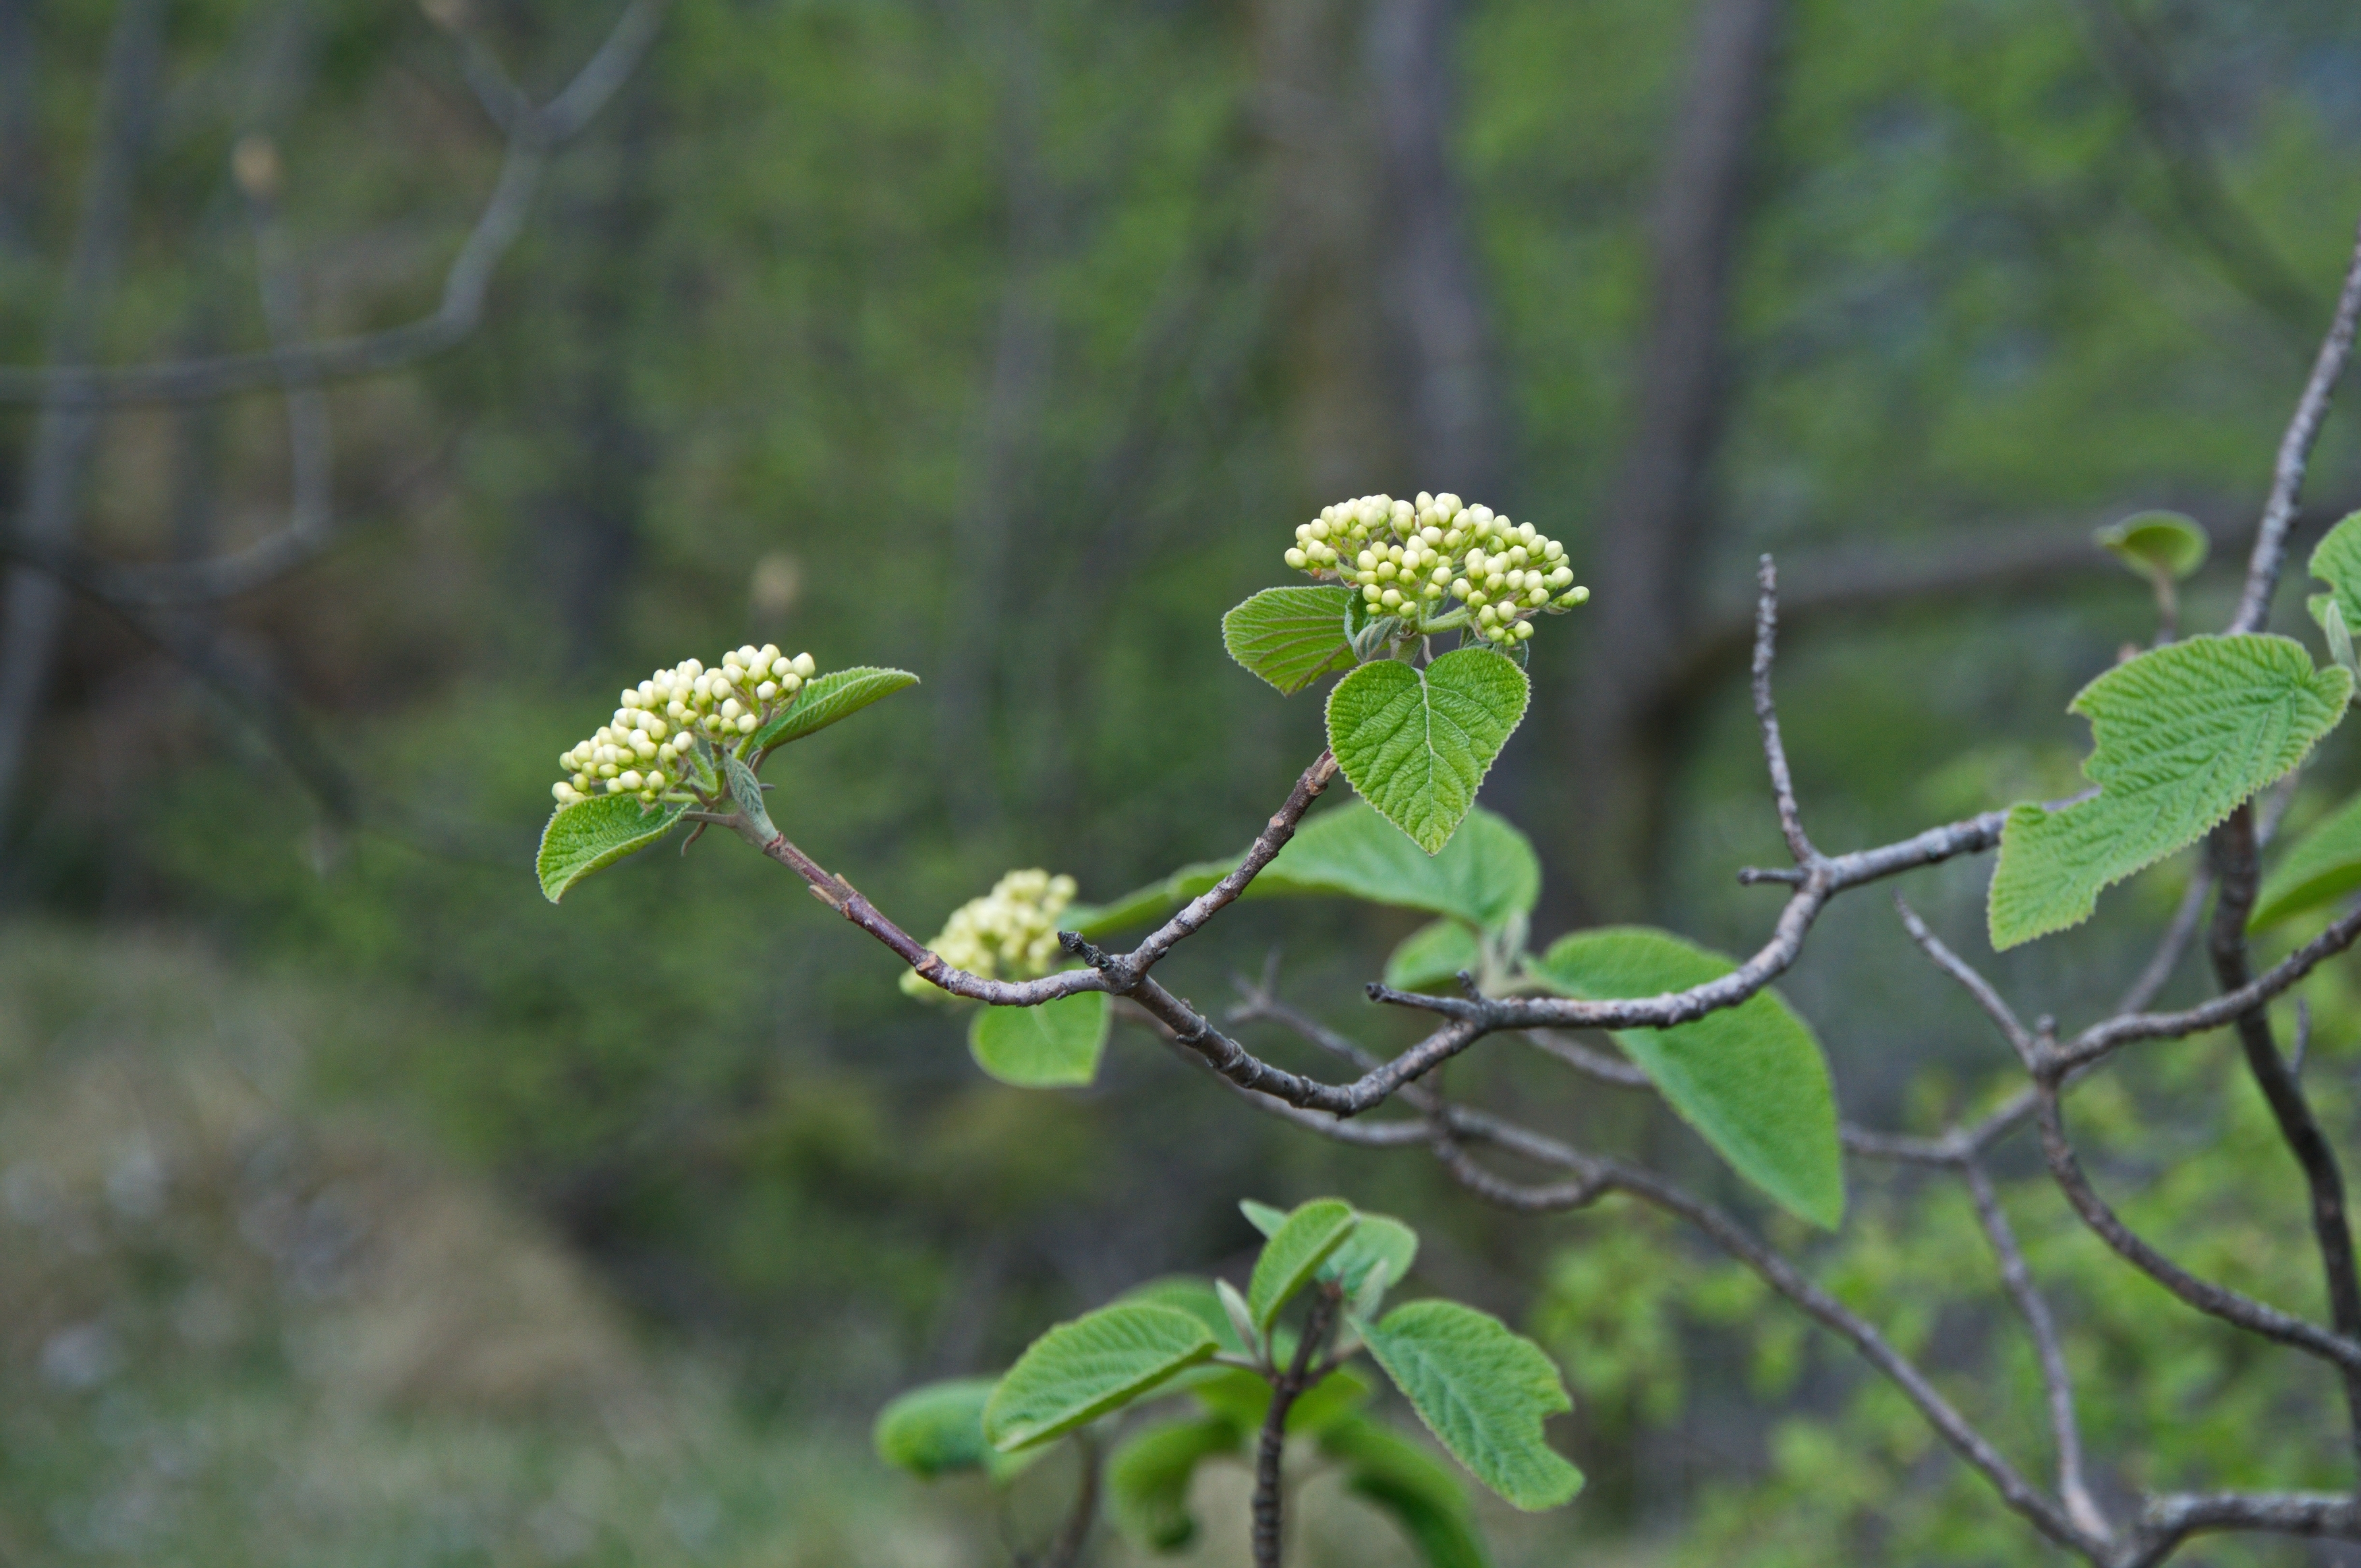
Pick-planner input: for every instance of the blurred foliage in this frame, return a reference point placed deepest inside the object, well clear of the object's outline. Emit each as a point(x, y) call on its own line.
point(954, 338)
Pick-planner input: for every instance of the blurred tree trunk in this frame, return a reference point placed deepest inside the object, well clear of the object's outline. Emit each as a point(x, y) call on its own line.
point(1433, 286)
point(16, 128)
point(63, 439)
point(976, 641)
point(586, 523)
point(1644, 559)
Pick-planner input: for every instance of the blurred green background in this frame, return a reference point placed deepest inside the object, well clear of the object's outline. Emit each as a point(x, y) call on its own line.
point(358, 1206)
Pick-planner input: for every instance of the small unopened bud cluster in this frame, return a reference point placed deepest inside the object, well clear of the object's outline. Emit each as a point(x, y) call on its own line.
point(1010, 933)
point(645, 749)
point(1409, 557)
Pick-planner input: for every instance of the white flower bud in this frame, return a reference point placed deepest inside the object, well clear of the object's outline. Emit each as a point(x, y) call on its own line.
point(805, 666)
point(614, 785)
point(1524, 630)
point(1447, 504)
point(1297, 559)
point(1516, 554)
point(1319, 528)
point(1432, 591)
point(1488, 615)
point(1573, 597)
point(1371, 592)
point(1494, 582)
point(767, 690)
point(1553, 550)
point(793, 683)
point(629, 779)
point(1392, 599)
point(1459, 588)
point(730, 708)
point(1367, 560)
point(659, 779)
point(676, 709)
point(564, 791)
point(746, 723)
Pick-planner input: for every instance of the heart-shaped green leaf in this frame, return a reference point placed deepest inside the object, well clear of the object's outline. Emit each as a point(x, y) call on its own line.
point(1054, 1046)
point(839, 694)
point(1416, 743)
point(2180, 736)
point(1426, 1500)
point(1147, 1479)
point(1079, 1371)
point(2164, 543)
point(1290, 637)
point(1483, 1390)
point(2321, 866)
point(592, 834)
point(1294, 1252)
point(1750, 1079)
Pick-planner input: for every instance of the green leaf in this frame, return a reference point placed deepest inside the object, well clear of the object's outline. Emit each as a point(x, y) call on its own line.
point(1377, 1239)
point(592, 834)
point(1488, 875)
point(1426, 1500)
point(2319, 868)
point(1295, 1252)
point(1416, 743)
point(2157, 543)
point(2329, 617)
point(1290, 637)
point(1378, 1242)
point(1483, 1390)
point(1750, 1079)
point(1187, 1293)
point(1242, 1399)
point(1430, 957)
point(1079, 1371)
point(1148, 1480)
point(839, 694)
point(1054, 1046)
point(2336, 561)
point(937, 1428)
point(2180, 735)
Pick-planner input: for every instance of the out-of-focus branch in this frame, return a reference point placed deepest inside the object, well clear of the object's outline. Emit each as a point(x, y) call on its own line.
point(2214, 217)
point(2295, 453)
point(532, 134)
point(63, 438)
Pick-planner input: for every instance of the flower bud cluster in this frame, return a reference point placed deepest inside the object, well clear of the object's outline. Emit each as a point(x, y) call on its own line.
point(1409, 557)
point(645, 750)
point(1010, 933)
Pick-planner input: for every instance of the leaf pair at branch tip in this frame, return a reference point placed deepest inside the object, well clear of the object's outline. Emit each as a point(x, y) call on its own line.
point(2181, 737)
point(591, 835)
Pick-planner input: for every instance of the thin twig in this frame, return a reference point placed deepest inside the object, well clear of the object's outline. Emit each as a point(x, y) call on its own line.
point(2057, 1384)
point(2269, 556)
point(1766, 713)
point(2020, 1038)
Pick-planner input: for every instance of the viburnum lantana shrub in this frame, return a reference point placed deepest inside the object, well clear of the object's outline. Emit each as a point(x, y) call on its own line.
point(1422, 612)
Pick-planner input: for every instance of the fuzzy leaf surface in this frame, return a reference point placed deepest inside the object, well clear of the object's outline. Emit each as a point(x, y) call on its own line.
point(1054, 1046)
point(2319, 868)
point(1377, 1239)
point(839, 694)
point(1290, 637)
point(1147, 1479)
point(2180, 735)
point(1294, 1254)
point(1426, 1501)
point(1750, 1079)
point(1080, 1370)
point(1483, 1390)
point(1417, 743)
point(593, 834)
